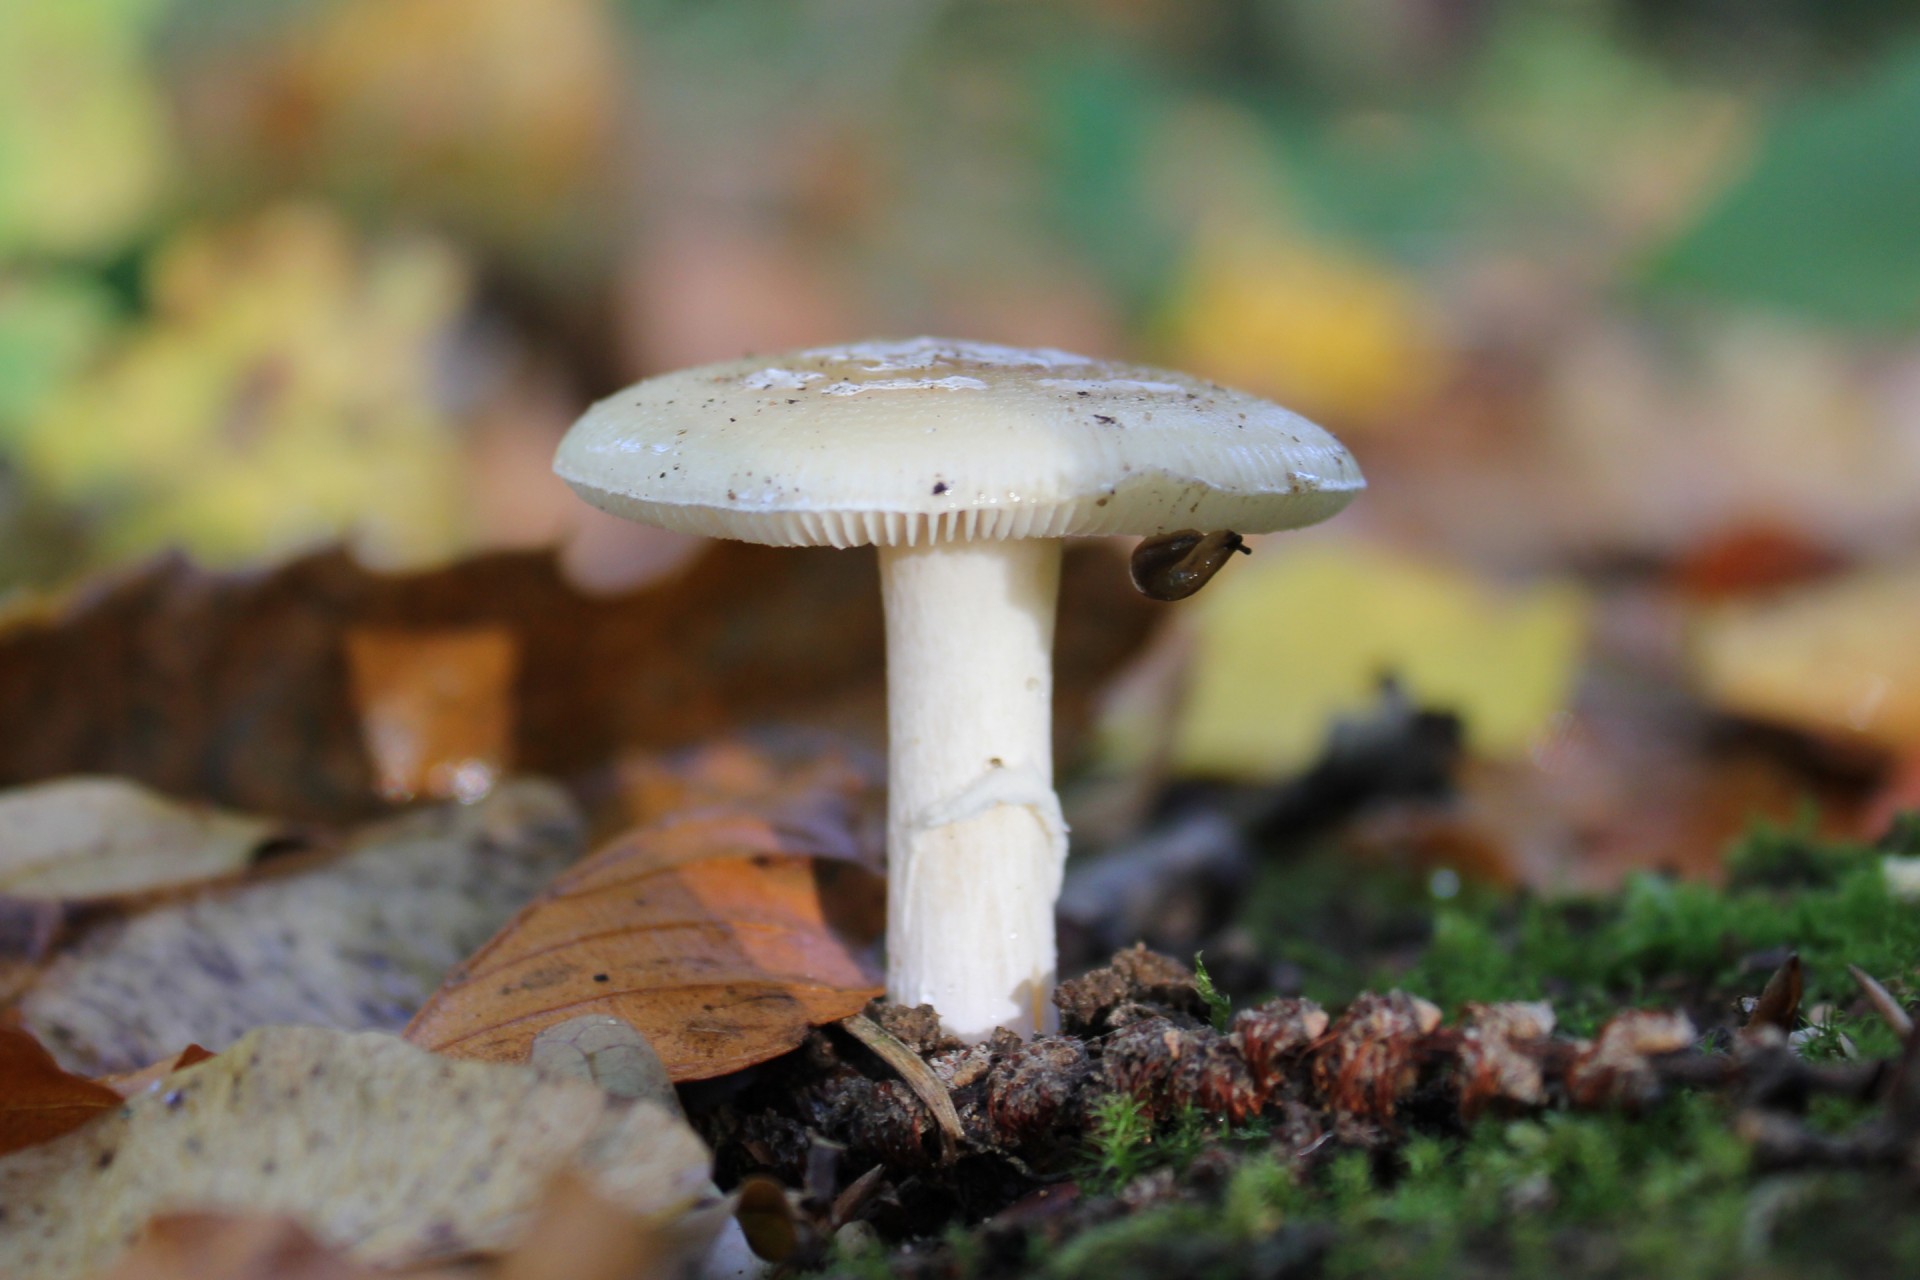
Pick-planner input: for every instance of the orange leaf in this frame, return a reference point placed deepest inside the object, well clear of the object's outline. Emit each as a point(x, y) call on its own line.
point(38, 1100)
point(436, 707)
point(721, 931)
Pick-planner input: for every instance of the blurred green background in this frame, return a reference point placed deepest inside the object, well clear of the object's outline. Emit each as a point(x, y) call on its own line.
point(1573, 278)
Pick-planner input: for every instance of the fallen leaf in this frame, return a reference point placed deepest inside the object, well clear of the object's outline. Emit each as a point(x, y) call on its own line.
point(508, 138)
point(1302, 634)
point(1835, 658)
point(582, 1234)
point(436, 708)
point(1750, 558)
point(128, 1083)
point(92, 838)
point(248, 675)
point(356, 944)
point(279, 391)
point(821, 787)
point(395, 1155)
point(1494, 1067)
point(1368, 1060)
point(721, 932)
point(578, 1234)
point(38, 1100)
point(219, 1246)
point(1311, 324)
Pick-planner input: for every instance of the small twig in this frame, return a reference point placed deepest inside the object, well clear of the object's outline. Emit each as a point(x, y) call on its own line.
point(1883, 1002)
point(916, 1074)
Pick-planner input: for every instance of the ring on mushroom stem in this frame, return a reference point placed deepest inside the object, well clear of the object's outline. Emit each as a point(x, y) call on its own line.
point(1172, 566)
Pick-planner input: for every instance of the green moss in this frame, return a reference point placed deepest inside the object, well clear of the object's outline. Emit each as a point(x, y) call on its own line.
point(1658, 941)
point(1119, 1143)
point(1125, 1143)
point(1667, 1192)
point(1219, 1007)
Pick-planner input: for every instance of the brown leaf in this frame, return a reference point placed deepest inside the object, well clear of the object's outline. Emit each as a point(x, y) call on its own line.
point(1367, 1061)
point(1748, 559)
point(356, 943)
point(249, 673)
point(436, 707)
point(395, 1155)
point(721, 932)
point(38, 1100)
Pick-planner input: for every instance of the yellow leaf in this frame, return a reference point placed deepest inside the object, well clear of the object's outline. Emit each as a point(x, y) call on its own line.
point(1837, 657)
point(1297, 637)
point(497, 112)
point(1320, 329)
point(83, 146)
point(389, 1152)
point(281, 394)
point(99, 837)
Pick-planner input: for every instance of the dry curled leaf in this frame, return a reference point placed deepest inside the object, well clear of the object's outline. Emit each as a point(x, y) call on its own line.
point(249, 673)
point(1500, 1055)
point(357, 943)
point(38, 1100)
point(395, 1155)
point(1615, 1067)
point(1368, 1060)
point(722, 932)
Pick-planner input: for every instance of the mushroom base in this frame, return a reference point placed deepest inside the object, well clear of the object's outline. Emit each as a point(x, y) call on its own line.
point(975, 841)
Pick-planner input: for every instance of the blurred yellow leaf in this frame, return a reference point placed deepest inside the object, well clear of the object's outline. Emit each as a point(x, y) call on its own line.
point(1840, 657)
point(1322, 330)
point(281, 393)
point(1295, 638)
point(499, 110)
point(83, 143)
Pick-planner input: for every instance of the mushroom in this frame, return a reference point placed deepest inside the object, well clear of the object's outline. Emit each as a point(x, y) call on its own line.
point(965, 464)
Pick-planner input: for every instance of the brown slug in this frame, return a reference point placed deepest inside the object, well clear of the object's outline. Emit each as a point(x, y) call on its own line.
point(1172, 566)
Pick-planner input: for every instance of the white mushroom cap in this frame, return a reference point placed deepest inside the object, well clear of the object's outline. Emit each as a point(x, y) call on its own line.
point(902, 443)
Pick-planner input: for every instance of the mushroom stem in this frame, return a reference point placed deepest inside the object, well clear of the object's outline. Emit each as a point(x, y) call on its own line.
point(975, 842)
